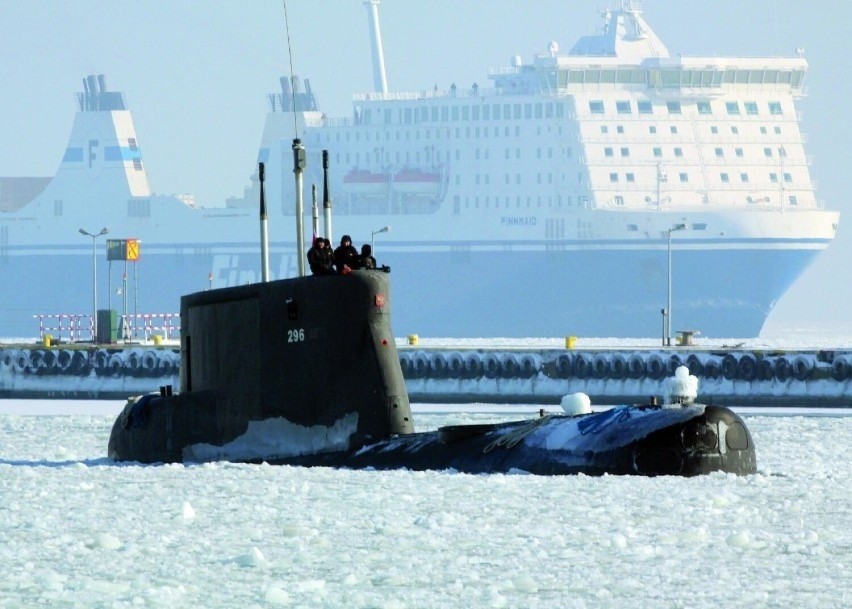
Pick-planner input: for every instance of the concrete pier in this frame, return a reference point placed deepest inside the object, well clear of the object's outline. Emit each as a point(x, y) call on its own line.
point(443, 374)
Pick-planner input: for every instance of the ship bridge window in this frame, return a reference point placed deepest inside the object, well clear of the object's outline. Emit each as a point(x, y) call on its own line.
point(720, 152)
point(495, 110)
point(560, 111)
point(724, 177)
point(788, 177)
point(763, 130)
point(623, 107)
point(630, 177)
point(773, 177)
point(434, 113)
point(738, 152)
point(744, 178)
point(673, 107)
point(607, 151)
point(777, 130)
point(714, 130)
point(625, 152)
point(527, 111)
point(658, 152)
point(645, 107)
point(733, 108)
point(734, 129)
point(767, 152)
point(57, 210)
point(684, 177)
point(782, 152)
point(775, 108)
point(619, 128)
point(548, 110)
point(793, 200)
point(704, 107)
point(673, 129)
point(539, 111)
point(632, 228)
point(131, 142)
point(678, 152)
point(604, 129)
point(699, 226)
point(465, 113)
point(455, 113)
point(652, 129)
point(596, 107)
point(613, 177)
point(388, 118)
point(486, 112)
point(516, 112)
point(619, 200)
point(751, 108)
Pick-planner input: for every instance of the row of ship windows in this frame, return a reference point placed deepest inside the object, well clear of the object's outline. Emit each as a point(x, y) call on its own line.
point(528, 111)
point(732, 108)
point(484, 132)
point(683, 176)
point(475, 112)
point(652, 129)
point(624, 151)
point(559, 201)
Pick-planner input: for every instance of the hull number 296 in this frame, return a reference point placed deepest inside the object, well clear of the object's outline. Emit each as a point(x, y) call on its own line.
point(296, 335)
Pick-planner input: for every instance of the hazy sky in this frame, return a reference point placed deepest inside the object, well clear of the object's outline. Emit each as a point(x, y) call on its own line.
point(195, 74)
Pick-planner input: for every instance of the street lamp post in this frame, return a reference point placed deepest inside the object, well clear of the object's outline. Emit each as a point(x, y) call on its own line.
point(383, 229)
point(668, 323)
point(94, 237)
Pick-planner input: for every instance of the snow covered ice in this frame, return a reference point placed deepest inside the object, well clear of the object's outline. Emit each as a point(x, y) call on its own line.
point(81, 531)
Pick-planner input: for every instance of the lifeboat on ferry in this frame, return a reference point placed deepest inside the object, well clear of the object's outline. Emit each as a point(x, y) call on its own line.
point(417, 183)
point(366, 183)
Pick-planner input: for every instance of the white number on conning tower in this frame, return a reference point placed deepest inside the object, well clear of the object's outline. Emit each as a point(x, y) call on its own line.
point(296, 336)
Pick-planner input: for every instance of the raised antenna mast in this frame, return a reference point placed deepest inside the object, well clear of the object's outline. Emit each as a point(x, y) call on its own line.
point(290, 56)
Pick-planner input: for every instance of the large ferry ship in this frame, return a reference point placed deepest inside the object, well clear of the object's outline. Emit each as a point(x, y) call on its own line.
point(583, 193)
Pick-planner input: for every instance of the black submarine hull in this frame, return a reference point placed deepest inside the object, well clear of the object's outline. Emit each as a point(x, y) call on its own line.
point(305, 371)
point(626, 440)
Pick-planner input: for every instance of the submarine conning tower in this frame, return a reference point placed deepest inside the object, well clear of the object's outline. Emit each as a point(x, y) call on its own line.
point(277, 369)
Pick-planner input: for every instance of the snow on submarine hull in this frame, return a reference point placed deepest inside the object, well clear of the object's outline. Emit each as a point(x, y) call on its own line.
point(305, 372)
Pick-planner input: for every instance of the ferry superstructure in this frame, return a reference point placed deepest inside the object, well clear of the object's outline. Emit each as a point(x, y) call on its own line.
point(545, 203)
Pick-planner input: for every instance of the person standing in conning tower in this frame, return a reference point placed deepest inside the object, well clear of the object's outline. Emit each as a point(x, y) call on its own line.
point(320, 258)
point(345, 256)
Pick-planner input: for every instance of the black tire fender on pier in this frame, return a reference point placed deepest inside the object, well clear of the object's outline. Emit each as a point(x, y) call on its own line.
point(529, 365)
point(509, 368)
point(438, 366)
point(472, 366)
point(600, 366)
point(421, 365)
point(491, 366)
point(783, 369)
point(765, 370)
point(747, 367)
point(582, 366)
point(730, 367)
point(802, 368)
point(693, 363)
point(455, 365)
point(618, 367)
point(636, 366)
point(656, 368)
point(840, 369)
point(712, 370)
point(564, 366)
point(115, 365)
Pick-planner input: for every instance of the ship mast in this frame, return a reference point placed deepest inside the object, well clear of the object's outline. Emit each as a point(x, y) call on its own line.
point(380, 80)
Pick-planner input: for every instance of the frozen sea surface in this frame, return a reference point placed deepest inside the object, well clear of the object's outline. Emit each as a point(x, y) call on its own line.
point(80, 531)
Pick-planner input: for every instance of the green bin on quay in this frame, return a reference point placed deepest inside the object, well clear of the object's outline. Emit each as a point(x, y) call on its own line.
point(106, 330)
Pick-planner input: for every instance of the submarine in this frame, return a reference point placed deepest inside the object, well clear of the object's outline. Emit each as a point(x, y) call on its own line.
point(305, 371)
